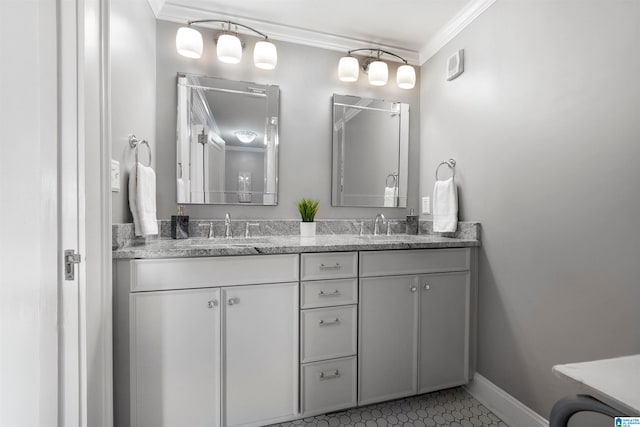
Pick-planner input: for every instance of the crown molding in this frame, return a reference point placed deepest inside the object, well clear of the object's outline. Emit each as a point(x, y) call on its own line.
point(168, 11)
point(156, 6)
point(458, 23)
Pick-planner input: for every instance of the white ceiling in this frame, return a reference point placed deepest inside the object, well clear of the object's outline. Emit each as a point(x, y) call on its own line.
point(410, 28)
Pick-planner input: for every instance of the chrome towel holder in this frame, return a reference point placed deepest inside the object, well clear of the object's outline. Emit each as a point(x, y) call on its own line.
point(136, 143)
point(452, 165)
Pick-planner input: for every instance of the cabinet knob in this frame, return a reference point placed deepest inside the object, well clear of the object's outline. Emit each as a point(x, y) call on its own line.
point(413, 288)
point(426, 287)
point(233, 301)
point(213, 303)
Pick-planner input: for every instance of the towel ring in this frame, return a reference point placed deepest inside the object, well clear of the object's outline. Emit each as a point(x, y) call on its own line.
point(136, 143)
point(452, 165)
point(394, 182)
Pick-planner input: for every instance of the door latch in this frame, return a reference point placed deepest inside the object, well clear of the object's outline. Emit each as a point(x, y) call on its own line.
point(70, 258)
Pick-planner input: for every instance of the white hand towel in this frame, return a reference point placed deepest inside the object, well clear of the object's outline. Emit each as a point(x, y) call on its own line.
point(133, 206)
point(390, 197)
point(142, 200)
point(445, 206)
point(181, 190)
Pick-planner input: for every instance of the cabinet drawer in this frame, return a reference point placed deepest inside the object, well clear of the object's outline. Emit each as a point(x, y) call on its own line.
point(392, 263)
point(328, 333)
point(326, 293)
point(332, 265)
point(182, 273)
point(328, 386)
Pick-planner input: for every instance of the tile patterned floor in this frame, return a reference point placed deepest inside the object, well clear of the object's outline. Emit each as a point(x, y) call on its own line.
point(447, 408)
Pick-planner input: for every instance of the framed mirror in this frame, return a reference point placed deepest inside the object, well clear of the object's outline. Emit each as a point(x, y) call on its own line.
point(370, 152)
point(227, 142)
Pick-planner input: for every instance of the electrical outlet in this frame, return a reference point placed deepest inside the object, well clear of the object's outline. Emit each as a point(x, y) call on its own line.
point(426, 205)
point(115, 176)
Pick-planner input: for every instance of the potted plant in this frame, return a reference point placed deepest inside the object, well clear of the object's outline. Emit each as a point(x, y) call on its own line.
point(308, 209)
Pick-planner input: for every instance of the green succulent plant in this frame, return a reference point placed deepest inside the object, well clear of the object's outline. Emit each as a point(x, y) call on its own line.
point(308, 209)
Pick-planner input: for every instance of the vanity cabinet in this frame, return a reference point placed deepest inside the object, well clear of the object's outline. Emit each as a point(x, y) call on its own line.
point(225, 354)
point(414, 328)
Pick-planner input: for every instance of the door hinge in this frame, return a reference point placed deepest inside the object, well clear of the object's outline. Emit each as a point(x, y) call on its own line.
point(70, 258)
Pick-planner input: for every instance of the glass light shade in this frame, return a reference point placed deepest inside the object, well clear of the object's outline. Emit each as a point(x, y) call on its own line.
point(229, 49)
point(406, 77)
point(245, 136)
point(189, 42)
point(378, 73)
point(265, 55)
point(348, 69)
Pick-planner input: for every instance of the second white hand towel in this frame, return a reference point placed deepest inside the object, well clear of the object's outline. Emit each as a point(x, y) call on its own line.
point(145, 200)
point(390, 197)
point(445, 206)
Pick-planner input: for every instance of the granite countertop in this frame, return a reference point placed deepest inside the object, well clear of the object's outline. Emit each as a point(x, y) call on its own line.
point(200, 247)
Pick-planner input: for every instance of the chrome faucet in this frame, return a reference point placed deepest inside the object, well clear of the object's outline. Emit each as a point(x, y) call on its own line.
point(227, 226)
point(376, 226)
point(210, 225)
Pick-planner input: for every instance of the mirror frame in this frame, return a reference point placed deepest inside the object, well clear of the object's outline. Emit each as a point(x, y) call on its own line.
point(403, 149)
point(272, 130)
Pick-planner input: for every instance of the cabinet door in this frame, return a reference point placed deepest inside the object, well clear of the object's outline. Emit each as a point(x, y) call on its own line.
point(175, 358)
point(388, 338)
point(261, 353)
point(444, 330)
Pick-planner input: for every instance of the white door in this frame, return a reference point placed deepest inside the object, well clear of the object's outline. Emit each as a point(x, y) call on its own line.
point(261, 353)
point(388, 350)
point(444, 330)
point(175, 358)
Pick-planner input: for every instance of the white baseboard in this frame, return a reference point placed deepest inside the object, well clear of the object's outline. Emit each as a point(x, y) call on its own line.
point(509, 409)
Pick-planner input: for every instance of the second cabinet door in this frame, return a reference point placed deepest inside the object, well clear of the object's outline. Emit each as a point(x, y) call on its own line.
point(175, 358)
point(388, 338)
point(444, 330)
point(261, 353)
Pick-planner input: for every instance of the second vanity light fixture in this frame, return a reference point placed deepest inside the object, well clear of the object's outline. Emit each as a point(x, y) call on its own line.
point(229, 46)
point(378, 71)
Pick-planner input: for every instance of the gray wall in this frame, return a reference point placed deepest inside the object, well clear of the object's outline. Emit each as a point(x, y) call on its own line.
point(307, 78)
point(133, 90)
point(545, 124)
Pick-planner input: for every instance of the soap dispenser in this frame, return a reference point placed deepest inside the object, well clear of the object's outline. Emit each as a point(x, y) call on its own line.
point(412, 222)
point(180, 224)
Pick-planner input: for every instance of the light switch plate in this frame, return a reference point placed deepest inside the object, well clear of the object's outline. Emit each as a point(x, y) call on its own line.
point(115, 176)
point(426, 205)
point(455, 65)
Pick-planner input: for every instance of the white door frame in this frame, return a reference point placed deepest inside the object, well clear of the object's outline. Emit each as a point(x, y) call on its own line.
point(86, 395)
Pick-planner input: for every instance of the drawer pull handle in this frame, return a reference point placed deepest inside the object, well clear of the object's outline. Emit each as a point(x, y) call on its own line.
point(329, 322)
point(336, 266)
point(233, 301)
point(413, 288)
point(213, 303)
point(426, 287)
point(335, 293)
point(329, 375)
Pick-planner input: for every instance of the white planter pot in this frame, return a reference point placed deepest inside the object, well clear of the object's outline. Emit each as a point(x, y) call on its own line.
point(307, 229)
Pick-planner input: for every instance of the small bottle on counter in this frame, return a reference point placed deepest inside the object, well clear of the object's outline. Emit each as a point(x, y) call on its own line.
point(180, 224)
point(412, 222)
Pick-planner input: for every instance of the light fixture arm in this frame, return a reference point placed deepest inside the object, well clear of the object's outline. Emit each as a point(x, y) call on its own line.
point(379, 52)
point(231, 23)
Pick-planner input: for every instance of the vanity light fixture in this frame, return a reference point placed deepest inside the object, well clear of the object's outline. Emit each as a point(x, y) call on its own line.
point(229, 46)
point(245, 136)
point(378, 71)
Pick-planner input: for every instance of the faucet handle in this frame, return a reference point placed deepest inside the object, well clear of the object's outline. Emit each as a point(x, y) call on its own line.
point(361, 228)
point(389, 222)
point(247, 232)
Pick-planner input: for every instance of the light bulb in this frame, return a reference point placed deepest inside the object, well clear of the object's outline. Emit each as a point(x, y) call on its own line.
point(406, 77)
point(265, 55)
point(189, 42)
point(348, 69)
point(229, 49)
point(378, 73)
